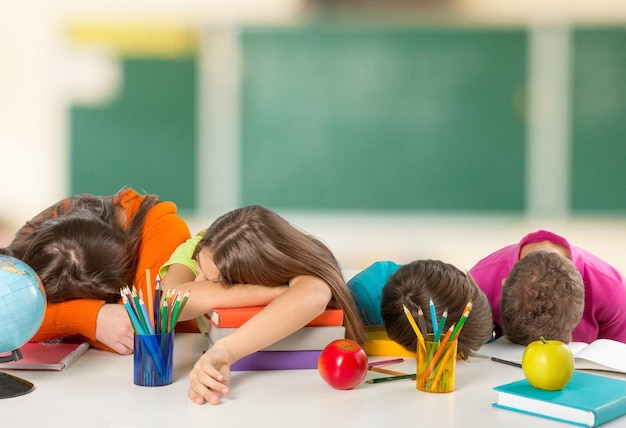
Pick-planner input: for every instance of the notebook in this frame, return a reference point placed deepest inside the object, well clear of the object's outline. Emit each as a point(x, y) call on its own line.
point(587, 400)
point(49, 355)
point(601, 354)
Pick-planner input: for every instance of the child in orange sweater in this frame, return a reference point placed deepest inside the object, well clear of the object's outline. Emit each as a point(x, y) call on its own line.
point(85, 248)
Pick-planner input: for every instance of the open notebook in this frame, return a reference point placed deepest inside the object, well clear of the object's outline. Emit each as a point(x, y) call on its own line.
point(601, 354)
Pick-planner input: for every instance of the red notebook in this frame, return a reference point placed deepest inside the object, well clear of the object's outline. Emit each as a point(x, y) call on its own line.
point(235, 317)
point(47, 356)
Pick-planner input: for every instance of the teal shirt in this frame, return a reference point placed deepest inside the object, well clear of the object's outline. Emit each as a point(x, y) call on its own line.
point(367, 289)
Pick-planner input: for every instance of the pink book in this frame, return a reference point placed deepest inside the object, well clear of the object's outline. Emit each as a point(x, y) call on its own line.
point(52, 355)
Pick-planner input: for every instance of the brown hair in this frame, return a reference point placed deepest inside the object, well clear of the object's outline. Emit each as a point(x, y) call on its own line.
point(415, 283)
point(254, 245)
point(543, 296)
point(79, 250)
point(77, 257)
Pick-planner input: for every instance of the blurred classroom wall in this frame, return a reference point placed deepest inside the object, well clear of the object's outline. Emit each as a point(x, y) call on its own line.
point(432, 120)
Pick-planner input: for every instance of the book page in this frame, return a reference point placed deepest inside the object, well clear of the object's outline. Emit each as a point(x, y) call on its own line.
point(602, 354)
point(503, 349)
point(506, 350)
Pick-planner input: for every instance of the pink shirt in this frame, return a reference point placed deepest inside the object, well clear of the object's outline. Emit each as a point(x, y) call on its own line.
point(604, 316)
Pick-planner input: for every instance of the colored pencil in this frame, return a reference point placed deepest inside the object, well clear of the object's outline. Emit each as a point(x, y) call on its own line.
point(149, 297)
point(166, 308)
point(391, 378)
point(385, 362)
point(163, 316)
point(184, 302)
point(435, 357)
point(175, 311)
point(151, 341)
point(462, 320)
point(509, 363)
point(420, 338)
point(385, 371)
point(158, 291)
point(133, 317)
point(421, 321)
point(443, 365)
point(433, 316)
point(442, 323)
point(144, 311)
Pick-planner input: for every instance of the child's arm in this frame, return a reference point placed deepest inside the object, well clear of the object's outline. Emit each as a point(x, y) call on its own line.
point(204, 296)
point(82, 317)
point(306, 298)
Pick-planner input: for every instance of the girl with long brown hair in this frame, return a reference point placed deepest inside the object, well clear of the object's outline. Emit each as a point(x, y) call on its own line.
point(253, 256)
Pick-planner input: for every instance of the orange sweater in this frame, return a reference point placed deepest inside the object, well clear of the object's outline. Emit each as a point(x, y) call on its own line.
point(163, 231)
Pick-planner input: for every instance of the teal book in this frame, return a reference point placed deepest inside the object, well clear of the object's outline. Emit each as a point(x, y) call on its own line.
point(588, 399)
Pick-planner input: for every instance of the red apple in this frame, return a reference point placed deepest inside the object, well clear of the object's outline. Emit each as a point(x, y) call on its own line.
point(343, 364)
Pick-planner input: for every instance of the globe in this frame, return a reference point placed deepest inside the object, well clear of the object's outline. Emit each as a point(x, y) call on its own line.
point(22, 303)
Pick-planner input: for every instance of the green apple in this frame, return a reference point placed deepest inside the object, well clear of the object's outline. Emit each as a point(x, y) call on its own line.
point(548, 364)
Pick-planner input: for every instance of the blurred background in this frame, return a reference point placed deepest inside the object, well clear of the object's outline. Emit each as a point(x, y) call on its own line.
point(393, 130)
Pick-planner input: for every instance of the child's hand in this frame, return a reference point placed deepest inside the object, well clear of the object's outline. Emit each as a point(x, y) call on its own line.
point(113, 328)
point(210, 376)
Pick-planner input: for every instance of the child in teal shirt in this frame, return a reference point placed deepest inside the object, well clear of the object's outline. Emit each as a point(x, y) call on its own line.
point(382, 288)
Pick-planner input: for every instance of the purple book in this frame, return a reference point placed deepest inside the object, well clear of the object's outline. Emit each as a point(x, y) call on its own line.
point(278, 360)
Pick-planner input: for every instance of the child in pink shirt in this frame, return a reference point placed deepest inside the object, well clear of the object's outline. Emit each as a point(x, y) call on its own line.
point(543, 286)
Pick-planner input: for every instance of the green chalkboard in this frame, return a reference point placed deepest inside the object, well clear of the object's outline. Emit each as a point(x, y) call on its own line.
point(384, 118)
point(145, 138)
point(599, 120)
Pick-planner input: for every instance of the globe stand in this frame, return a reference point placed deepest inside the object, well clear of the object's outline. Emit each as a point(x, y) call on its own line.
point(12, 386)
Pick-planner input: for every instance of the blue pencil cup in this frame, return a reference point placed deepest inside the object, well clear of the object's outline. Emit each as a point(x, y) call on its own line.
point(153, 359)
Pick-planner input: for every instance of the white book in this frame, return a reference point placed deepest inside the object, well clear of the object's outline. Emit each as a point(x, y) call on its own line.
point(601, 354)
point(310, 338)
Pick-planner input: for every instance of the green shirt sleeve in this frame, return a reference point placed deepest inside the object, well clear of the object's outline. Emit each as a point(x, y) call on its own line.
point(183, 255)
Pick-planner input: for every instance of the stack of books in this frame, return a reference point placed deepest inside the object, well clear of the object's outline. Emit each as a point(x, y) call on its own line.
point(300, 350)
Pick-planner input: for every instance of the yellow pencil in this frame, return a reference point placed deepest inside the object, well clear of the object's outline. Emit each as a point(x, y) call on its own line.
point(420, 338)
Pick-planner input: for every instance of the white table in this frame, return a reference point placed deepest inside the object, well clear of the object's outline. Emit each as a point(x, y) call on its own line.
point(97, 390)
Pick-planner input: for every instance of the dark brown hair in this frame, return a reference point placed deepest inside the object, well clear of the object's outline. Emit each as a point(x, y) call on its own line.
point(79, 250)
point(415, 283)
point(254, 245)
point(77, 257)
point(543, 296)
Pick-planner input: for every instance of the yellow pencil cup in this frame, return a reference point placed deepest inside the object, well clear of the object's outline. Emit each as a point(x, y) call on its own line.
point(436, 364)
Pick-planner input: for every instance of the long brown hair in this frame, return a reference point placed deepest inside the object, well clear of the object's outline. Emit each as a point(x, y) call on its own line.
point(254, 245)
